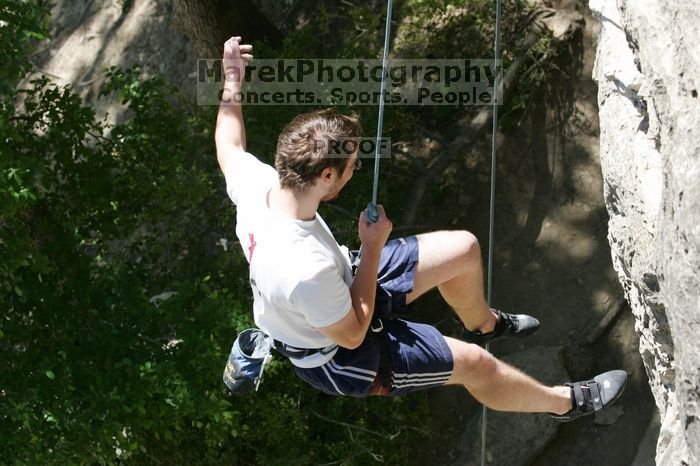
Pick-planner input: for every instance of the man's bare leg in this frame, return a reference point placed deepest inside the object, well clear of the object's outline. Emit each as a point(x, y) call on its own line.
point(500, 386)
point(451, 260)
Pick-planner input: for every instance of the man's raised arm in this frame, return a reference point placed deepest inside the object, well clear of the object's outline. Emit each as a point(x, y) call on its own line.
point(230, 130)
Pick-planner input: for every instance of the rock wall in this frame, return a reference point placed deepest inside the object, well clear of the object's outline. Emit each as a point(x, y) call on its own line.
point(89, 36)
point(647, 69)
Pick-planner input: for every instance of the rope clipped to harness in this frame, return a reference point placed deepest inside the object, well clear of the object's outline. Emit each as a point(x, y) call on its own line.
point(372, 214)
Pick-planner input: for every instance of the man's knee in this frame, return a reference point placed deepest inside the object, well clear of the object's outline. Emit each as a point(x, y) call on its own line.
point(468, 244)
point(479, 361)
point(472, 363)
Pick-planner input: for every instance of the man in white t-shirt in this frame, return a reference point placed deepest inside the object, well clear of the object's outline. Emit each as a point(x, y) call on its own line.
point(331, 314)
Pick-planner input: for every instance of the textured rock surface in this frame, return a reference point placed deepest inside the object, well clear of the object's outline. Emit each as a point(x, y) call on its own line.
point(89, 36)
point(647, 69)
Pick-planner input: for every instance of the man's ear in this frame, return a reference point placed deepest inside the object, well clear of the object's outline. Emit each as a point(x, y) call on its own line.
point(327, 175)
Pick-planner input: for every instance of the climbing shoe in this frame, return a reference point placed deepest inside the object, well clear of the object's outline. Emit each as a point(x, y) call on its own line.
point(507, 325)
point(593, 395)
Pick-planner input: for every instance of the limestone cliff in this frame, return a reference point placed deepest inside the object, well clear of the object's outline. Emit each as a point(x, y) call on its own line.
point(647, 69)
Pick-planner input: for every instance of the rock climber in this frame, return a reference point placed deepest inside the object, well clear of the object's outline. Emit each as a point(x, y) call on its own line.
point(332, 313)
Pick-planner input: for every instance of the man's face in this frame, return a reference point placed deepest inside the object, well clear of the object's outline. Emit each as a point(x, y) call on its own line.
point(342, 180)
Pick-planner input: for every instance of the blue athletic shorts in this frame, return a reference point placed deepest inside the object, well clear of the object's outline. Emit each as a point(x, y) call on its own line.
point(419, 356)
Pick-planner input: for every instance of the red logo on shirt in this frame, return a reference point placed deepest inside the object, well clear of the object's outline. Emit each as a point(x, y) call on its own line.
point(251, 237)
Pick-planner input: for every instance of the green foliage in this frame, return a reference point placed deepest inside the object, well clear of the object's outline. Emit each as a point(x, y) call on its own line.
point(119, 308)
point(118, 305)
point(96, 223)
point(22, 24)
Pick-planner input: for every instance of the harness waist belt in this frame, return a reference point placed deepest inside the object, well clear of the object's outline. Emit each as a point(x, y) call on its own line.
point(292, 352)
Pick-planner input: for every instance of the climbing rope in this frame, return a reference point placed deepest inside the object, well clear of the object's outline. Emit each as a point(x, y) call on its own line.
point(492, 208)
point(372, 213)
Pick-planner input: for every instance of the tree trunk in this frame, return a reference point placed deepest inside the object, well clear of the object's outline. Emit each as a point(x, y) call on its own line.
point(209, 23)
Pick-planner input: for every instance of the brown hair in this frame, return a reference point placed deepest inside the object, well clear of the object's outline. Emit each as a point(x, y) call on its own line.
point(312, 142)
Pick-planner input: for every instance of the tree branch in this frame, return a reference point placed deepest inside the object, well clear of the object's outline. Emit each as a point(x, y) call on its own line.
point(471, 128)
point(362, 429)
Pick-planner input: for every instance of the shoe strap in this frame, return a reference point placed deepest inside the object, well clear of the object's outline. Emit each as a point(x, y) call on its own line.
point(595, 394)
point(587, 396)
point(579, 397)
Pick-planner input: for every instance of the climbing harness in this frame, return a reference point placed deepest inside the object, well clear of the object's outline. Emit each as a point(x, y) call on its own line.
point(382, 382)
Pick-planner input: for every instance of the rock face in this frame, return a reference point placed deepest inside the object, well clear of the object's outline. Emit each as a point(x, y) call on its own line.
point(648, 73)
point(90, 36)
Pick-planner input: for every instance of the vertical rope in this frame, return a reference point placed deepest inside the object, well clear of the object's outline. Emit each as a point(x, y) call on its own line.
point(372, 207)
point(492, 209)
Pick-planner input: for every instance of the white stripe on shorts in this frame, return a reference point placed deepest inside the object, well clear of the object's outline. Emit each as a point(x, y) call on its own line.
point(351, 368)
point(425, 374)
point(421, 384)
point(331, 379)
point(418, 380)
point(350, 374)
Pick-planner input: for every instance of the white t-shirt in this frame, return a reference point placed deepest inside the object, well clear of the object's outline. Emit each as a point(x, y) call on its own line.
point(299, 274)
